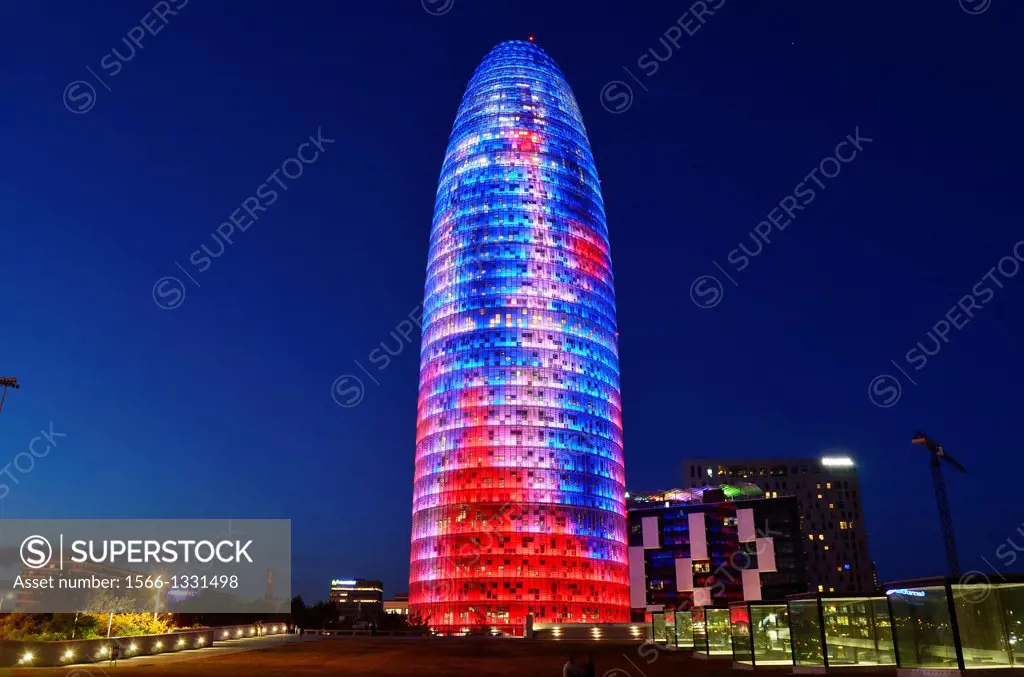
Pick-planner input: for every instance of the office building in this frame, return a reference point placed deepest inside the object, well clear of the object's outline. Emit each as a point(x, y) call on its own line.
point(711, 546)
point(398, 605)
point(357, 598)
point(835, 539)
point(519, 498)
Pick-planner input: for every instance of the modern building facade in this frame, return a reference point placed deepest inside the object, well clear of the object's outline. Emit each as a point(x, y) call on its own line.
point(397, 605)
point(357, 598)
point(835, 540)
point(519, 496)
point(712, 546)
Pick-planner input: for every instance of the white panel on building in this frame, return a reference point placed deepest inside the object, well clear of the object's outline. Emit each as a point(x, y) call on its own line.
point(650, 527)
point(637, 578)
point(698, 536)
point(751, 585)
point(684, 575)
point(766, 554)
point(702, 597)
point(745, 525)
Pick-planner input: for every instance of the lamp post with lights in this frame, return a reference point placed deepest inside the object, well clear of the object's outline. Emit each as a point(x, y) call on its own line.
point(5, 383)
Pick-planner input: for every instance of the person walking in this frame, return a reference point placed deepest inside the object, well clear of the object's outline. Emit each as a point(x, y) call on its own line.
point(570, 668)
point(115, 653)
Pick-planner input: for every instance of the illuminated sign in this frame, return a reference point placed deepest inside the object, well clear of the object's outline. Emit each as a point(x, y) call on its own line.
point(906, 593)
point(837, 461)
point(338, 581)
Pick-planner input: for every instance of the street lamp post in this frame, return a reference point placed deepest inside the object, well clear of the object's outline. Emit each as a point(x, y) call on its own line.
point(5, 383)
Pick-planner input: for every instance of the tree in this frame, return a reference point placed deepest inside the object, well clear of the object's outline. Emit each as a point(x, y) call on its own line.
point(124, 621)
point(298, 606)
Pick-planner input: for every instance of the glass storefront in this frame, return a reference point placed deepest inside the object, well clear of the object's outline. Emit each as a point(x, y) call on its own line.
point(769, 632)
point(684, 630)
point(700, 629)
point(718, 631)
point(658, 628)
point(923, 627)
point(670, 628)
point(934, 620)
point(858, 631)
point(760, 633)
point(836, 632)
point(739, 620)
point(1013, 614)
point(805, 623)
point(989, 619)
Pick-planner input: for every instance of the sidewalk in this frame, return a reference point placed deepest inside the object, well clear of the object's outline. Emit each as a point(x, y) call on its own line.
point(220, 648)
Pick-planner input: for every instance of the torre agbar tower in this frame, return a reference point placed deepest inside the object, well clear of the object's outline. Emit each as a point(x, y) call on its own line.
point(519, 496)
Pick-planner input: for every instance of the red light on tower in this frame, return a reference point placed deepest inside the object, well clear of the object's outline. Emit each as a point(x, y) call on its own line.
point(531, 38)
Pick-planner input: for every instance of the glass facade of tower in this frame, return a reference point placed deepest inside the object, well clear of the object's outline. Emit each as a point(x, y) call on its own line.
point(519, 496)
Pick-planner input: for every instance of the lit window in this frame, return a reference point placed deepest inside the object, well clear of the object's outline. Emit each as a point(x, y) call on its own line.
point(842, 525)
point(810, 537)
point(831, 589)
point(831, 506)
point(826, 547)
point(821, 588)
point(821, 537)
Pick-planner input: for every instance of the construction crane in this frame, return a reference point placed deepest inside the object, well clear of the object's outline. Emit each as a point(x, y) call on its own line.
point(939, 454)
point(5, 383)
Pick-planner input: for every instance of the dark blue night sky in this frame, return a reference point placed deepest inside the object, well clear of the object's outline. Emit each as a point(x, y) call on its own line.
point(223, 406)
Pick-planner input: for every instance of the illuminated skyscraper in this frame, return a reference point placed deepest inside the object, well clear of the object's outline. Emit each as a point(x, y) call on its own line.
point(519, 497)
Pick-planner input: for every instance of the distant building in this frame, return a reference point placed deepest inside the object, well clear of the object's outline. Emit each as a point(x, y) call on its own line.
point(711, 546)
point(835, 540)
point(358, 598)
point(399, 604)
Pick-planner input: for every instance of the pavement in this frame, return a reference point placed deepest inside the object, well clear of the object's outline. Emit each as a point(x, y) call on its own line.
point(220, 648)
